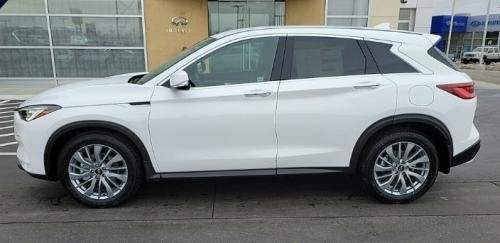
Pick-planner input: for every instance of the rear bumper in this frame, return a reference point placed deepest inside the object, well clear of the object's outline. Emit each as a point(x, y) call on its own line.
point(467, 155)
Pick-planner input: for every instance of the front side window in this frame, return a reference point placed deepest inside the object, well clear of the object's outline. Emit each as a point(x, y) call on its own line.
point(247, 61)
point(326, 57)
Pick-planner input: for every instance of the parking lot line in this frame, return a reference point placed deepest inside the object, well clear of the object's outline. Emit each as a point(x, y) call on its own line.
point(7, 144)
point(4, 101)
point(6, 135)
point(2, 128)
point(5, 112)
point(6, 121)
point(6, 116)
point(7, 153)
point(8, 108)
point(12, 103)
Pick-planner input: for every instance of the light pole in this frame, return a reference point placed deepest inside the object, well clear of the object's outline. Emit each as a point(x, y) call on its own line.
point(485, 31)
point(451, 28)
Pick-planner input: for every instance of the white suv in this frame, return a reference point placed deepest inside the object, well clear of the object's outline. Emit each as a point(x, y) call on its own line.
point(263, 101)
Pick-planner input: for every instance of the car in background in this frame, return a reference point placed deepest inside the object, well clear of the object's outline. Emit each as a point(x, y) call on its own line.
point(490, 54)
point(385, 105)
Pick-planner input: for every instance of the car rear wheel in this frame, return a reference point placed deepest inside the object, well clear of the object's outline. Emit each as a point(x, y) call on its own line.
point(100, 169)
point(400, 166)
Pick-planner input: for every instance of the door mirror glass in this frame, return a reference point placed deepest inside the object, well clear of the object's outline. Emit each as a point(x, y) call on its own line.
point(179, 80)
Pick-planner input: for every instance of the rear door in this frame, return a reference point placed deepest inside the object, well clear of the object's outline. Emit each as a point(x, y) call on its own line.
point(330, 92)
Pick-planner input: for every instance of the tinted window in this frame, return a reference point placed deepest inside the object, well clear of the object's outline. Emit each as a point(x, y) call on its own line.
point(325, 57)
point(438, 55)
point(386, 61)
point(246, 61)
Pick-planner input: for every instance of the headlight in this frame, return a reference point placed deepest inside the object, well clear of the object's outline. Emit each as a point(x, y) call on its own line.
point(33, 112)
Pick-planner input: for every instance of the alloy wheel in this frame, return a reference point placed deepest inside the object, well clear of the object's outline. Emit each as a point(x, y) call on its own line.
point(401, 168)
point(98, 171)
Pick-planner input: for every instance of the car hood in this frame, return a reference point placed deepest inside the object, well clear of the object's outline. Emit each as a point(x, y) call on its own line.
point(110, 90)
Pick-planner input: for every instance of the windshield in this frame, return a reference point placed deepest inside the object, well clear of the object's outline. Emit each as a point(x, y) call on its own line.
point(175, 59)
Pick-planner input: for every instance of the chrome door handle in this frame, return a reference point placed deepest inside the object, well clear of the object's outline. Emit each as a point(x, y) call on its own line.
point(258, 93)
point(366, 85)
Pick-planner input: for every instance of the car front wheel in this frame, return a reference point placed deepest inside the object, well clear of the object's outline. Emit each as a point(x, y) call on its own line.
point(100, 169)
point(400, 166)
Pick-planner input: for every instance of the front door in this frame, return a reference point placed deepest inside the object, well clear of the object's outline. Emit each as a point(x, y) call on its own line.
point(225, 121)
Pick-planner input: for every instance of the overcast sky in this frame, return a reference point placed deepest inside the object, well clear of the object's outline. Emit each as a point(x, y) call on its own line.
point(474, 7)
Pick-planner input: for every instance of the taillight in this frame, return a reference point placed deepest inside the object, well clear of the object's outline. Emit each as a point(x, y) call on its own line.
point(462, 90)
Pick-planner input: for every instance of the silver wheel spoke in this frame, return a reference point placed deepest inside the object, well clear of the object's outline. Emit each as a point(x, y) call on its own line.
point(402, 189)
point(408, 148)
point(112, 182)
point(115, 159)
point(109, 191)
point(79, 157)
point(390, 152)
point(117, 168)
point(74, 176)
point(419, 160)
point(90, 190)
point(78, 167)
point(379, 168)
point(117, 176)
point(419, 177)
point(415, 154)
point(97, 153)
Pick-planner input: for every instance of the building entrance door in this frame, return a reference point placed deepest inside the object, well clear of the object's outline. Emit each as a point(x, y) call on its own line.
point(228, 15)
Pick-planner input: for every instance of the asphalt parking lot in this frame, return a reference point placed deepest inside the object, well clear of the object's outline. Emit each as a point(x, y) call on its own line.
point(463, 206)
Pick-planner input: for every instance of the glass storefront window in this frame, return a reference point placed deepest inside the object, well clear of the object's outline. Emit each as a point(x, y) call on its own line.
point(130, 7)
point(97, 63)
point(25, 63)
point(98, 31)
point(348, 7)
point(355, 22)
point(406, 19)
point(90, 38)
point(24, 7)
point(23, 31)
point(228, 15)
point(347, 13)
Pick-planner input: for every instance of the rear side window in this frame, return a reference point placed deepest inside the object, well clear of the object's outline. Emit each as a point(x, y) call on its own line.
point(313, 57)
point(438, 55)
point(386, 61)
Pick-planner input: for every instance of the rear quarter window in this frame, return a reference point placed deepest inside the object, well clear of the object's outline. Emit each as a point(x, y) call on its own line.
point(438, 55)
point(387, 61)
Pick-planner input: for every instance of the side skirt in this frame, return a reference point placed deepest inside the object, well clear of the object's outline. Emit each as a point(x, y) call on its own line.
point(254, 172)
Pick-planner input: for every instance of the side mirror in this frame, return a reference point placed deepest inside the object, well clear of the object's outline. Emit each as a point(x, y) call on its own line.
point(179, 80)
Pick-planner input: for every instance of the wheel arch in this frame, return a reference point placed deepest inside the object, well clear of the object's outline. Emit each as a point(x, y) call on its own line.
point(437, 132)
point(57, 138)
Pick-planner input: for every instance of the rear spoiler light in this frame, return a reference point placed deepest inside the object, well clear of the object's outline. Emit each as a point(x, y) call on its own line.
point(463, 90)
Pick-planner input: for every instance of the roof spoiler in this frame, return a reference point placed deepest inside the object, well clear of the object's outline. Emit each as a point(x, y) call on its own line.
point(433, 39)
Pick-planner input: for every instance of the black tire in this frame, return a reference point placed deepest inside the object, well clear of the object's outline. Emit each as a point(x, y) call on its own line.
point(379, 144)
point(465, 61)
point(131, 158)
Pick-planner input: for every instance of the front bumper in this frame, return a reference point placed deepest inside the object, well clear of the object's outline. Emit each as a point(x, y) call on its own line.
point(37, 176)
point(467, 155)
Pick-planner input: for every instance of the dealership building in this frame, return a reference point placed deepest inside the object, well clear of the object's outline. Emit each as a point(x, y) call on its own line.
point(467, 32)
point(59, 41)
